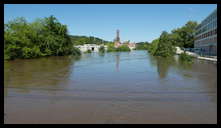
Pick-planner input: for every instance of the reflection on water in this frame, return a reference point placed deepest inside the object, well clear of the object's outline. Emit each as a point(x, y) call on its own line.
point(43, 72)
point(117, 61)
point(102, 54)
point(113, 87)
point(163, 65)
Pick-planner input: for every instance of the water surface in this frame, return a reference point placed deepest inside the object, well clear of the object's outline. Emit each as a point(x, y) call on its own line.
point(127, 87)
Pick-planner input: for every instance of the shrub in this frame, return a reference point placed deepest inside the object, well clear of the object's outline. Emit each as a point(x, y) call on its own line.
point(111, 48)
point(123, 48)
point(185, 57)
point(142, 46)
point(102, 49)
point(88, 51)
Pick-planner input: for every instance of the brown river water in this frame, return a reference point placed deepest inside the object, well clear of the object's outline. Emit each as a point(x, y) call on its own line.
point(110, 88)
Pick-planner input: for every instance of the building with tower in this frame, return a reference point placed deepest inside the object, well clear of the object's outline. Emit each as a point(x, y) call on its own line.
point(117, 42)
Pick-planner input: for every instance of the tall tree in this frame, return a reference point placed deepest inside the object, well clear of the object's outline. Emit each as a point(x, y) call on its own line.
point(165, 47)
point(43, 37)
point(184, 36)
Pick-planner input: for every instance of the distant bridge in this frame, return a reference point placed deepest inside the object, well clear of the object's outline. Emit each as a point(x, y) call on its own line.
point(92, 47)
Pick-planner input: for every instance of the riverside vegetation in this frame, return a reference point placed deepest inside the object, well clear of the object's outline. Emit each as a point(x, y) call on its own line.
point(43, 37)
point(48, 37)
point(102, 49)
point(122, 48)
point(142, 46)
point(183, 37)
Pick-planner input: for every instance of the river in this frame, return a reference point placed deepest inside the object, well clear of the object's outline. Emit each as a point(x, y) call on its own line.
point(124, 87)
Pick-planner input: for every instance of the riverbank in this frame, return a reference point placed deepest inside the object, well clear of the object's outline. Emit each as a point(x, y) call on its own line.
point(209, 58)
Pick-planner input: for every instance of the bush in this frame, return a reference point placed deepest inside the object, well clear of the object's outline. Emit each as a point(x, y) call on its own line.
point(186, 57)
point(123, 48)
point(111, 48)
point(88, 51)
point(142, 46)
point(102, 49)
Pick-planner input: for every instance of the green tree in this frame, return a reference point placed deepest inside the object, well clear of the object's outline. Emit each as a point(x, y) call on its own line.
point(184, 36)
point(123, 48)
point(142, 45)
point(110, 47)
point(153, 46)
point(80, 40)
point(165, 47)
point(43, 37)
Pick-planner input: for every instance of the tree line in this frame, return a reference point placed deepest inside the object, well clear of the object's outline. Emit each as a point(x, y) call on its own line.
point(42, 37)
point(80, 40)
point(48, 37)
point(142, 45)
point(122, 48)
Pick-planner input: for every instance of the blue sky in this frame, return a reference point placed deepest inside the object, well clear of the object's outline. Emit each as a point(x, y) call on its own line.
point(137, 22)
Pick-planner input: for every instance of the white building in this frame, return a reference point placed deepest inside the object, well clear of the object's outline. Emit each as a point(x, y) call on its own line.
point(92, 47)
point(132, 46)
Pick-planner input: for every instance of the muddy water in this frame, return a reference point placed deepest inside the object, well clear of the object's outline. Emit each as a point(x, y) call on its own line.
point(110, 88)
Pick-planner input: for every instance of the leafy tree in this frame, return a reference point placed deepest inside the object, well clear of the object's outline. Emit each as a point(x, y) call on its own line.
point(123, 48)
point(184, 36)
point(153, 46)
point(43, 37)
point(165, 47)
point(142, 46)
point(110, 47)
